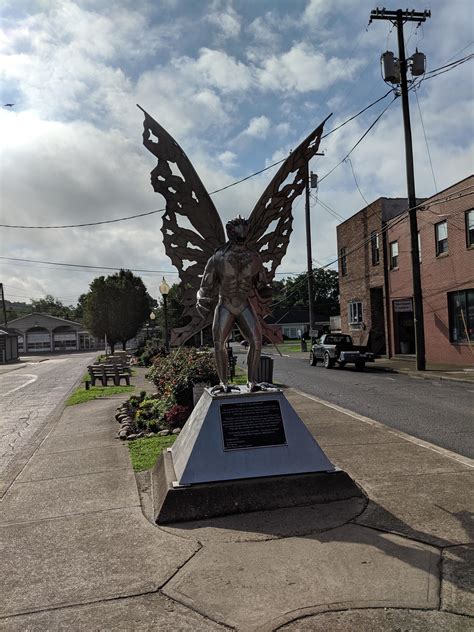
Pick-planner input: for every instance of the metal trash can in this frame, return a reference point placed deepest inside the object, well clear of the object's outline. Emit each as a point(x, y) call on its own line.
point(265, 369)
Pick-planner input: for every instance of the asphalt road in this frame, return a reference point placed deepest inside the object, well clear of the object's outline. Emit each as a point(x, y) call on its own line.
point(438, 411)
point(29, 395)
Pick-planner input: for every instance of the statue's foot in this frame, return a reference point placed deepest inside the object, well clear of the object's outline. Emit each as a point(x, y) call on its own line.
point(261, 386)
point(224, 388)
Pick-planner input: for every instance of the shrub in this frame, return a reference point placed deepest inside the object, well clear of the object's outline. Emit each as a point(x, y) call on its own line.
point(153, 348)
point(152, 411)
point(176, 374)
point(177, 416)
point(173, 376)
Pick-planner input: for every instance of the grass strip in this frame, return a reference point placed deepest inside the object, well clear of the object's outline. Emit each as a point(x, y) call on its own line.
point(144, 452)
point(81, 395)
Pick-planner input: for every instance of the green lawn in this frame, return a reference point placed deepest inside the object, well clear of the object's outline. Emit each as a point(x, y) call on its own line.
point(80, 395)
point(144, 452)
point(240, 376)
point(290, 347)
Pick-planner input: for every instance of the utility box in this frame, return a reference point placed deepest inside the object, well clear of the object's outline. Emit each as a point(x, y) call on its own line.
point(418, 64)
point(265, 370)
point(391, 67)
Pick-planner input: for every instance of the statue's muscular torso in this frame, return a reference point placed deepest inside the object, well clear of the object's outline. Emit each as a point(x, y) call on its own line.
point(237, 271)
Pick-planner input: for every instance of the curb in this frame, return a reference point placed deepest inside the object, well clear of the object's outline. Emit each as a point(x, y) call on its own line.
point(429, 376)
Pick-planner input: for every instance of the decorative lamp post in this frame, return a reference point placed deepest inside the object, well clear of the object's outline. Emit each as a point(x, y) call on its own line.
point(152, 322)
point(164, 290)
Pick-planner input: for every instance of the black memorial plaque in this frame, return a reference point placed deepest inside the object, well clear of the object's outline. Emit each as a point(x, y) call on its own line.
point(252, 425)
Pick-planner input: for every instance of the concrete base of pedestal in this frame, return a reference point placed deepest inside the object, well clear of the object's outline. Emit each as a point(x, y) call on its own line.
point(208, 500)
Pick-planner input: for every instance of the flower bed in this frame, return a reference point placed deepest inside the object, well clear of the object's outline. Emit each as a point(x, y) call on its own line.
point(166, 411)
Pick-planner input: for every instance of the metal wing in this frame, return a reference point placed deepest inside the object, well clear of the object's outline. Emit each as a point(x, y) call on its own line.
point(191, 228)
point(271, 220)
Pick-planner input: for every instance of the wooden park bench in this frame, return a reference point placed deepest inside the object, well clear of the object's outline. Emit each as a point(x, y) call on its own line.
point(106, 372)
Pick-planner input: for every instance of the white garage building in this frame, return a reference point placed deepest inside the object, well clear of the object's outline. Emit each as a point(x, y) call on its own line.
point(42, 333)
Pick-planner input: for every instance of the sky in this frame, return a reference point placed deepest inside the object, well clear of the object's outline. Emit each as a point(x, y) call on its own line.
point(238, 84)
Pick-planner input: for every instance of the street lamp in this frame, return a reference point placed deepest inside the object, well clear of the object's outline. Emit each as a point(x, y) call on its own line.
point(152, 324)
point(164, 290)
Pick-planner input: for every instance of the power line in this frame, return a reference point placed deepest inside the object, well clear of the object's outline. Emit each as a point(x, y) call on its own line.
point(355, 180)
point(428, 75)
point(401, 217)
point(328, 209)
point(145, 214)
point(86, 266)
point(371, 126)
point(81, 267)
point(91, 267)
point(426, 142)
point(338, 127)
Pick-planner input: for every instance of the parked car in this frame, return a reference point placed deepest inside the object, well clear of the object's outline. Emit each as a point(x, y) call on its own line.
point(339, 348)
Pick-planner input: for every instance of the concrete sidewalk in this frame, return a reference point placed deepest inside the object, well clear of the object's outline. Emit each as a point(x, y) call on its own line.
point(79, 554)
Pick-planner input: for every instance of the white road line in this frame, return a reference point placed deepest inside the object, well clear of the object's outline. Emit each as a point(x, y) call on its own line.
point(403, 435)
point(32, 379)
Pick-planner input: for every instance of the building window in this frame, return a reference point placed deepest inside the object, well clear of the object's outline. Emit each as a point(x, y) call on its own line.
point(342, 255)
point(393, 255)
point(461, 315)
point(470, 228)
point(419, 247)
point(355, 312)
point(374, 245)
point(441, 234)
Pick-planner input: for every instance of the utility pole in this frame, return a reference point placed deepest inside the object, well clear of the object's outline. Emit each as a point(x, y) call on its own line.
point(398, 19)
point(309, 253)
point(311, 182)
point(4, 308)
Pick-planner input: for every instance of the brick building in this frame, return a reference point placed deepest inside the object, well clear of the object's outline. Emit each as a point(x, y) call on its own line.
point(361, 272)
point(376, 282)
point(446, 244)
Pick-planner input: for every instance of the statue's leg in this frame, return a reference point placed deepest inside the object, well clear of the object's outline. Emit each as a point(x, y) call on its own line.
point(251, 330)
point(221, 328)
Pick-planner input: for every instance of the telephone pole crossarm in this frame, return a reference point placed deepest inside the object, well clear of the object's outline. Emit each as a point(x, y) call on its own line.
point(408, 16)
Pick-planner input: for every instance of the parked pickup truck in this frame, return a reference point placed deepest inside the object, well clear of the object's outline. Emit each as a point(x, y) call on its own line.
point(332, 348)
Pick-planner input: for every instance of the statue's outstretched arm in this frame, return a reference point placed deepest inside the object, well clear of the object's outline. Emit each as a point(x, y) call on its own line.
point(208, 291)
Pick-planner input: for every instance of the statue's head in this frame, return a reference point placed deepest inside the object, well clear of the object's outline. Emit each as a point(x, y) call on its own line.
point(237, 229)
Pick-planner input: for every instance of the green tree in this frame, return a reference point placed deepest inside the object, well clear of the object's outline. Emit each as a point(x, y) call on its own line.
point(53, 307)
point(116, 306)
point(294, 292)
point(79, 309)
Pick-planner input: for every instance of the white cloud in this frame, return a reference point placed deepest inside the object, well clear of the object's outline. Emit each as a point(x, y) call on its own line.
point(317, 11)
point(226, 19)
point(178, 104)
point(258, 127)
point(216, 69)
point(227, 159)
point(302, 69)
